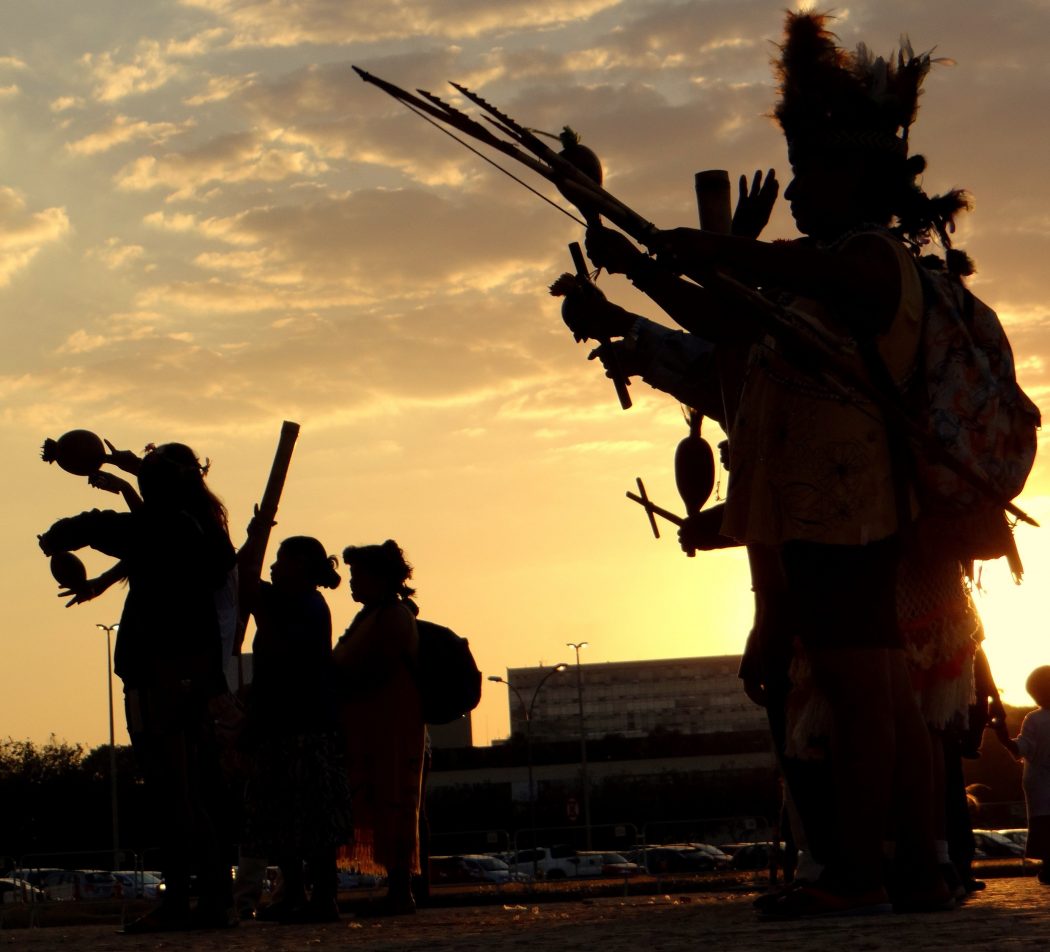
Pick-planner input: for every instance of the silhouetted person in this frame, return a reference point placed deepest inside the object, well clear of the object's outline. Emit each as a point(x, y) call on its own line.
point(376, 662)
point(814, 470)
point(1032, 746)
point(176, 554)
point(297, 801)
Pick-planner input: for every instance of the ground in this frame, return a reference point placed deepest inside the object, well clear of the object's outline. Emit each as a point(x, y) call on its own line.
point(1011, 915)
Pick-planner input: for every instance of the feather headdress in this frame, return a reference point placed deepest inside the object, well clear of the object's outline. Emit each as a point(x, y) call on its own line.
point(829, 96)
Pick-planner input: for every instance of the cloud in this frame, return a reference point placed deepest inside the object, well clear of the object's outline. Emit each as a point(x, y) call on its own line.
point(226, 160)
point(10, 92)
point(153, 65)
point(115, 255)
point(122, 130)
point(284, 23)
point(220, 88)
point(65, 103)
point(23, 234)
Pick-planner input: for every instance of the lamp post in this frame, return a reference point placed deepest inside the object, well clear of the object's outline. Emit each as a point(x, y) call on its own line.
point(584, 779)
point(527, 711)
point(109, 629)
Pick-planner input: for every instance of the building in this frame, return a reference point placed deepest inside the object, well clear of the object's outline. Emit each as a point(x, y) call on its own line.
point(634, 699)
point(459, 733)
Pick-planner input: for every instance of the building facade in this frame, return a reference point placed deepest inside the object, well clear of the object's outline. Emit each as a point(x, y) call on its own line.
point(634, 699)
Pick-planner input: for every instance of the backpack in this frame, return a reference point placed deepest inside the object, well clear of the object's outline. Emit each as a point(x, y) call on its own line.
point(448, 677)
point(967, 398)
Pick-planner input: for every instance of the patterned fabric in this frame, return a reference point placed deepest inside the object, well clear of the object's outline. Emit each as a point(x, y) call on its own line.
point(973, 406)
point(940, 630)
point(808, 460)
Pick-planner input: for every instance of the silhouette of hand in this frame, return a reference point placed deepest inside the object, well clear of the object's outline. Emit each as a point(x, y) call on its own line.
point(85, 592)
point(701, 531)
point(611, 250)
point(589, 316)
point(109, 482)
point(755, 204)
point(257, 524)
point(617, 358)
point(122, 459)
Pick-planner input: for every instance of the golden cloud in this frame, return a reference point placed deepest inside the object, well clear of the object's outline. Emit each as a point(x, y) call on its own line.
point(123, 129)
point(23, 233)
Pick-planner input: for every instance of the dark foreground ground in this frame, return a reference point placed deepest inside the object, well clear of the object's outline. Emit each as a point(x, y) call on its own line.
point(1011, 915)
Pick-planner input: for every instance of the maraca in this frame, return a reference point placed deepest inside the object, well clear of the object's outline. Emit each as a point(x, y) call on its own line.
point(79, 452)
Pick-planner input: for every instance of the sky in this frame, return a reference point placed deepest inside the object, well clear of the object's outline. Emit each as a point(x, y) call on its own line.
point(209, 224)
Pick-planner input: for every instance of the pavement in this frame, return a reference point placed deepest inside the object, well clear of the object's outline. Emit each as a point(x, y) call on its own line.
point(1011, 915)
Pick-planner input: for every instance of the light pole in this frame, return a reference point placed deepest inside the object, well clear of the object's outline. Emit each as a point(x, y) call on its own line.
point(527, 711)
point(109, 629)
point(584, 779)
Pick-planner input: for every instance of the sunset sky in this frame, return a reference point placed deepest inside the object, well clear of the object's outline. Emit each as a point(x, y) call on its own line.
point(209, 224)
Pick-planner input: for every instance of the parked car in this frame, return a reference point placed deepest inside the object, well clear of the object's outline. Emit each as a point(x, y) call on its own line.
point(613, 864)
point(19, 890)
point(556, 862)
point(993, 845)
point(672, 859)
point(139, 884)
point(750, 855)
point(472, 868)
point(1018, 836)
point(79, 884)
point(35, 876)
point(721, 858)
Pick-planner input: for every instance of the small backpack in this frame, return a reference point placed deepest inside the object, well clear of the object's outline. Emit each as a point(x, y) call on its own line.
point(448, 677)
point(967, 398)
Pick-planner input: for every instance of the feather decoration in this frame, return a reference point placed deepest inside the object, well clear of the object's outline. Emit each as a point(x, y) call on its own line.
point(825, 89)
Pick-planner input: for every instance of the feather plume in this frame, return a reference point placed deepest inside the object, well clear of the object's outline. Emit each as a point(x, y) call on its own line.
point(825, 90)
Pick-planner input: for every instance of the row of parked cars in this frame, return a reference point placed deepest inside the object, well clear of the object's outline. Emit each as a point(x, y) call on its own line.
point(563, 862)
point(31, 885)
point(553, 863)
point(548, 863)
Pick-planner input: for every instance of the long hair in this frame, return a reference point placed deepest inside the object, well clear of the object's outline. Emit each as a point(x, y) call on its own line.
point(171, 476)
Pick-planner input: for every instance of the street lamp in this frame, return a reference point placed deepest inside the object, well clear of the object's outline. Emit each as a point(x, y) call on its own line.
point(527, 711)
point(109, 629)
point(584, 779)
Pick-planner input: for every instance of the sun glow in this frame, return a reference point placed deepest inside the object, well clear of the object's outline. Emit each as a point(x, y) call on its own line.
point(1015, 616)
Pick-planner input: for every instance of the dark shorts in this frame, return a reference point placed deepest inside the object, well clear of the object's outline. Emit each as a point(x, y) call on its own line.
point(843, 596)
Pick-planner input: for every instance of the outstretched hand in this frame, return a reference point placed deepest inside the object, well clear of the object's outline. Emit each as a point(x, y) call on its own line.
point(122, 459)
point(755, 204)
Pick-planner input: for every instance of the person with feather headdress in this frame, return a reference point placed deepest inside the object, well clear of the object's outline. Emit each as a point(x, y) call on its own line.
point(814, 469)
